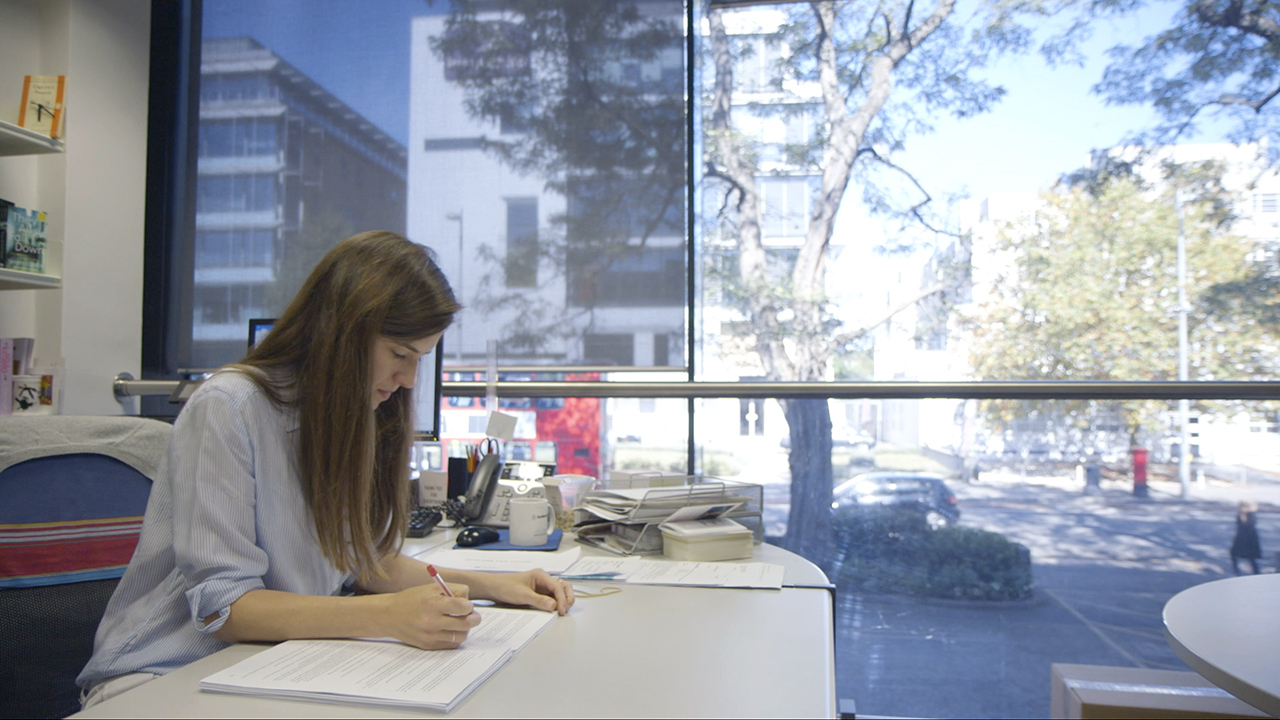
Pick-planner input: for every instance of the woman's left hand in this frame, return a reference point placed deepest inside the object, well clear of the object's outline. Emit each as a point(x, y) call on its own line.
point(534, 588)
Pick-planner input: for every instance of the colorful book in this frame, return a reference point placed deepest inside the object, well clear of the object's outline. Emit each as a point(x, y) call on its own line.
point(25, 240)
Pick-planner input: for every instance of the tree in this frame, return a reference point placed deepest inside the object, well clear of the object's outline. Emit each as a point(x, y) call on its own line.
point(587, 103)
point(1219, 58)
point(1089, 292)
point(881, 69)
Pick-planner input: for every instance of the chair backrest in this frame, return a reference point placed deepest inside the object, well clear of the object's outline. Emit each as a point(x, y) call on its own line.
point(73, 491)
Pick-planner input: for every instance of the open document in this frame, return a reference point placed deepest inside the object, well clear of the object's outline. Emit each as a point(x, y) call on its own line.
point(383, 673)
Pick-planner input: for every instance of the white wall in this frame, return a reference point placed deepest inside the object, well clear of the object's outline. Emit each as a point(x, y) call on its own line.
point(95, 192)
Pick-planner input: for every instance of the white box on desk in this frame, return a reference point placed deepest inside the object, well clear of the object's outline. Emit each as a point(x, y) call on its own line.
point(707, 540)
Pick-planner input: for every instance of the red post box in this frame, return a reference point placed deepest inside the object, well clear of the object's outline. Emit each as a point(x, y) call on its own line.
point(1139, 471)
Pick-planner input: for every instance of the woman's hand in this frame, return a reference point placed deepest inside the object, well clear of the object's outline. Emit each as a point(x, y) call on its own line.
point(425, 617)
point(534, 588)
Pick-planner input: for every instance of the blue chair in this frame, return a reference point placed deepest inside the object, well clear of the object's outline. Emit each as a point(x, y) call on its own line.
point(73, 491)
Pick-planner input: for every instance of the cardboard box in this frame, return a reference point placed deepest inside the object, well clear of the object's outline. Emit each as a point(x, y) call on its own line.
point(1099, 691)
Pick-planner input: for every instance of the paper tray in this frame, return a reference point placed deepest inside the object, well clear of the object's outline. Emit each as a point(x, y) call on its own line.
point(625, 520)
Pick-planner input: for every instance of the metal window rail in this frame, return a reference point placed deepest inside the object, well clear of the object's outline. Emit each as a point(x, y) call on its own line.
point(1014, 390)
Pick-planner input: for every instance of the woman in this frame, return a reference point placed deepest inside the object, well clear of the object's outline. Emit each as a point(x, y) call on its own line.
point(1245, 545)
point(284, 496)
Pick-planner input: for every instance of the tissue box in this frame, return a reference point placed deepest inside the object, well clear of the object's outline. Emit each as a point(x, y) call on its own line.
point(707, 540)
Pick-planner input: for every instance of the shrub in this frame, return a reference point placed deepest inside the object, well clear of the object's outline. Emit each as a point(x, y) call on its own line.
point(897, 553)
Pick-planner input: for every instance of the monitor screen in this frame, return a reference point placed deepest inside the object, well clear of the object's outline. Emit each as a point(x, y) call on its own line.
point(426, 389)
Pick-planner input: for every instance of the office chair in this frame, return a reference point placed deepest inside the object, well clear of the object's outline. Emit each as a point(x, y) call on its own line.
point(72, 494)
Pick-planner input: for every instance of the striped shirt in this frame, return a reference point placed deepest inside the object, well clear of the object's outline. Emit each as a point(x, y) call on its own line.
point(226, 516)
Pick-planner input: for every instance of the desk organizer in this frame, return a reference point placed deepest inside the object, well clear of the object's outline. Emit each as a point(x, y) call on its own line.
point(625, 520)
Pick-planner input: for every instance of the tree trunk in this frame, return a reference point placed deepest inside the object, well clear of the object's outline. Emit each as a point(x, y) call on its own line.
point(809, 521)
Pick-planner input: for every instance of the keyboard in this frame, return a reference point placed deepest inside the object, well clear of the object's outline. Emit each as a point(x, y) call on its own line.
point(422, 521)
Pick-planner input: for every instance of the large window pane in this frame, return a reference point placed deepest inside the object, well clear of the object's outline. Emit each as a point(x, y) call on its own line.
point(538, 149)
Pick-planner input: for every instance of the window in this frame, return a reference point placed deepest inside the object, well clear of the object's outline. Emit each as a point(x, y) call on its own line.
point(553, 173)
point(522, 243)
point(236, 193)
point(786, 205)
point(238, 138)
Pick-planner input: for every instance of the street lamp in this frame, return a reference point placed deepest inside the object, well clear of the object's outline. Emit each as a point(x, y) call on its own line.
point(1184, 454)
point(458, 217)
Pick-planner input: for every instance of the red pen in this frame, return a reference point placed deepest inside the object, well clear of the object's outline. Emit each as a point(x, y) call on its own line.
point(439, 581)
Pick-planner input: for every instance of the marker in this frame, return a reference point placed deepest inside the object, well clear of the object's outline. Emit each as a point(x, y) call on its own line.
point(432, 569)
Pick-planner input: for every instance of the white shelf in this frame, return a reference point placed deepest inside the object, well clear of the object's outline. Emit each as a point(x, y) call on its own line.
point(16, 140)
point(21, 280)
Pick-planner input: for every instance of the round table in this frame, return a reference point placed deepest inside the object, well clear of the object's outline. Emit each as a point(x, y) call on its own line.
point(1229, 632)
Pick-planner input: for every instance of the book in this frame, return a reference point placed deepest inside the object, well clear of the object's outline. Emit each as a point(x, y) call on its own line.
point(4, 227)
point(6, 376)
point(25, 240)
point(383, 672)
point(42, 103)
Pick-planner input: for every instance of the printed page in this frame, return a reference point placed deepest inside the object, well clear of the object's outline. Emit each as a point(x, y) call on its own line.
point(709, 574)
point(383, 673)
point(603, 568)
point(501, 561)
point(356, 671)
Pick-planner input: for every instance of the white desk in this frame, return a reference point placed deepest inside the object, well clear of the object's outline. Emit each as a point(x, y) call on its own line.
point(649, 651)
point(1229, 632)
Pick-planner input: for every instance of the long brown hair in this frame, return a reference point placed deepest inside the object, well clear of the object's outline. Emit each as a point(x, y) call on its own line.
point(353, 462)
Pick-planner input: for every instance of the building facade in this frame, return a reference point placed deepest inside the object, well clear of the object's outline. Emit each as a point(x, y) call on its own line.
point(285, 170)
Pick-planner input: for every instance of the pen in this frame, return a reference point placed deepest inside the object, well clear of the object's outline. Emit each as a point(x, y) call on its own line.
point(432, 569)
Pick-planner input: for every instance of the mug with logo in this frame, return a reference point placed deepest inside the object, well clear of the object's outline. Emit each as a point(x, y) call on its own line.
point(531, 521)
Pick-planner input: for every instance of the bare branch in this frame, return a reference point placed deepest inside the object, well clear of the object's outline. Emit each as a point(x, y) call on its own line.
point(847, 337)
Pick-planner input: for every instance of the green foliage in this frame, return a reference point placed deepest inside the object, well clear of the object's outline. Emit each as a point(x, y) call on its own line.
point(897, 553)
point(320, 231)
point(1219, 58)
point(1089, 291)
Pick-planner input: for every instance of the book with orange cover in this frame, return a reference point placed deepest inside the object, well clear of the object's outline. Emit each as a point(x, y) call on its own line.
point(42, 103)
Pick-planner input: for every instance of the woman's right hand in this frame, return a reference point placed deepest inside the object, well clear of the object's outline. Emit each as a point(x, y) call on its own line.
point(424, 617)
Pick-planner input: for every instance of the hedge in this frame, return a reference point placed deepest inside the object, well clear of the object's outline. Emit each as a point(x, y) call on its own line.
point(898, 553)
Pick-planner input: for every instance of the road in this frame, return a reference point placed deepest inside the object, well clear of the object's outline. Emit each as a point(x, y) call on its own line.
point(1104, 566)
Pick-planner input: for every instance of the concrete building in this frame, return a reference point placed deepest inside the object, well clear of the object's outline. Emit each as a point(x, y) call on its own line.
point(285, 169)
point(527, 280)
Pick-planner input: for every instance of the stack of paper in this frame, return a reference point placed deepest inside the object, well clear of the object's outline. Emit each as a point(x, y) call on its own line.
point(638, 505)
point(382, 672)
point(706, 540)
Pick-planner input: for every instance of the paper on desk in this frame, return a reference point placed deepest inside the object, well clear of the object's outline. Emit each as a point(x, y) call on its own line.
point(638, 571)
point(505, 561)
point(602, 568)
point(709, 574)
point(382, 673)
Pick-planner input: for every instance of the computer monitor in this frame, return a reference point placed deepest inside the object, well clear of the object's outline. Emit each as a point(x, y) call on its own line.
point(426, 389)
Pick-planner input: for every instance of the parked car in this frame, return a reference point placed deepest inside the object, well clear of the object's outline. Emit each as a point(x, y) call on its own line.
point(913, 492)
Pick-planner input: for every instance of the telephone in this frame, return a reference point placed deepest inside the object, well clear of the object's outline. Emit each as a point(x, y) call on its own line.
point(489, 496)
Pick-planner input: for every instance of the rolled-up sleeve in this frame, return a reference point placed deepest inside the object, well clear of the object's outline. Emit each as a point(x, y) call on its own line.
point(215, 497)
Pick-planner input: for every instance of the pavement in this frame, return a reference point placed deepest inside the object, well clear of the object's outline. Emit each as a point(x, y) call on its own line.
point(1104, 566)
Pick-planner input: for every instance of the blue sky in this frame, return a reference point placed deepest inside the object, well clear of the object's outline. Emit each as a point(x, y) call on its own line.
point(361, 57)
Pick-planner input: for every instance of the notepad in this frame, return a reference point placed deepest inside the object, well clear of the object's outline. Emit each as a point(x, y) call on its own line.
point(380, 673)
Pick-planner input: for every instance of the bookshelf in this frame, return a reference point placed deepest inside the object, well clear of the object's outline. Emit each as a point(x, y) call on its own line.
point(16, 141)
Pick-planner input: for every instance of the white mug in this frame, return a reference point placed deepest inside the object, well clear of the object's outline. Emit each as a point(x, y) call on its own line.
point(531, 521)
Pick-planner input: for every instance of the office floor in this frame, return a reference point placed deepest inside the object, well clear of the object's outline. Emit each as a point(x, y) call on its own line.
point(1104, 567)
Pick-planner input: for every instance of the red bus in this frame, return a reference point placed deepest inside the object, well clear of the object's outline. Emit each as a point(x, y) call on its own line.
point(563, 431)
